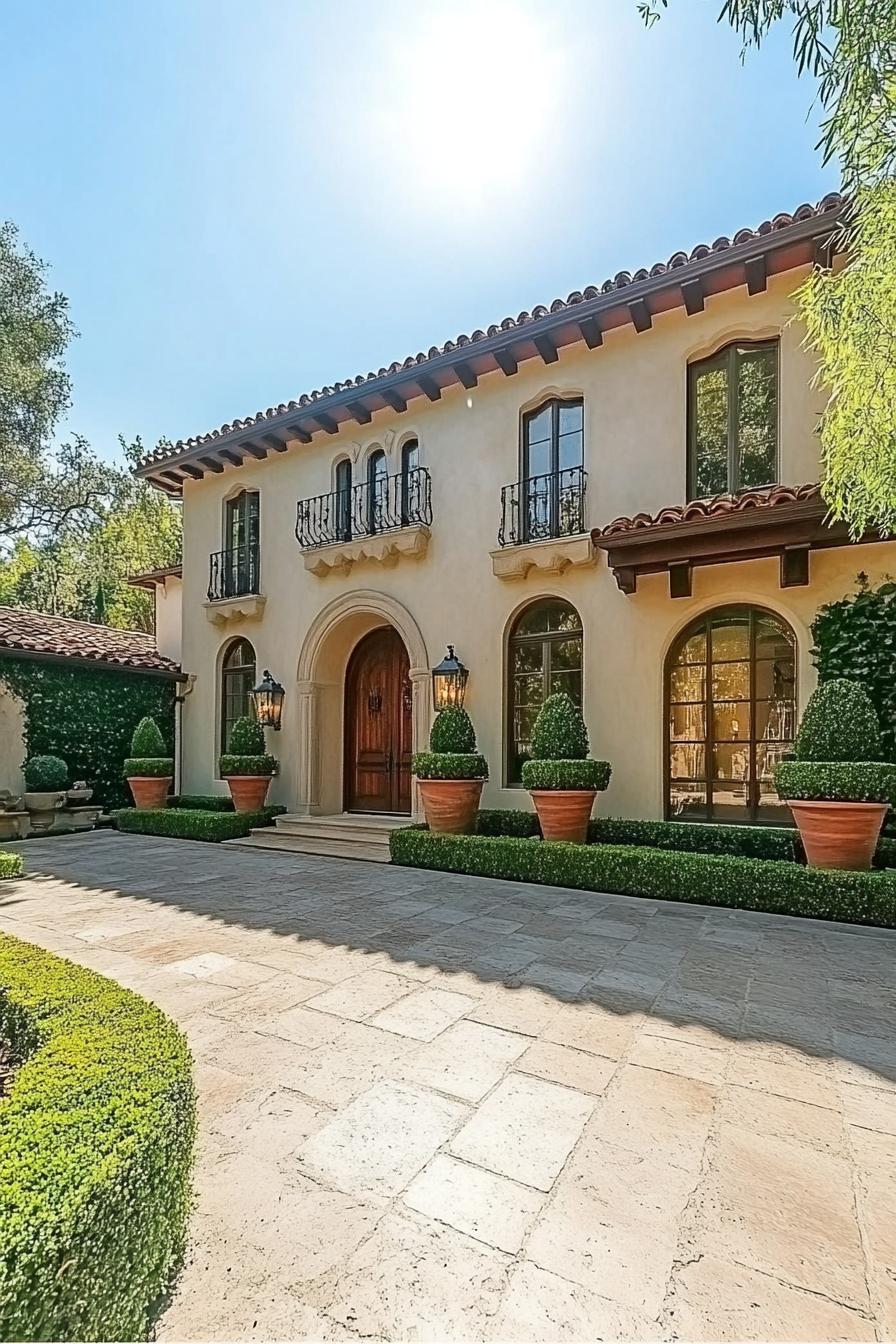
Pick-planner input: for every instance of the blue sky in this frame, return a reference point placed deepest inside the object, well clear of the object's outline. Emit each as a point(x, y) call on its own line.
point(247, 201)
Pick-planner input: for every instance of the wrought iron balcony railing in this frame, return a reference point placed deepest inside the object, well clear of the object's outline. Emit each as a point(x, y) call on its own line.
point(381, 505)
point(233, 573)
point(542, 507)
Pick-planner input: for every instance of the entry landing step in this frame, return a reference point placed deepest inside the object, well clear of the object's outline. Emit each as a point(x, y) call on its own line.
point(347, 835)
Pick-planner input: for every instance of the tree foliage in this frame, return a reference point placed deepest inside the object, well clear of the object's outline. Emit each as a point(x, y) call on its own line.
point(849, 48)
point(73, 526)
point(855, 637)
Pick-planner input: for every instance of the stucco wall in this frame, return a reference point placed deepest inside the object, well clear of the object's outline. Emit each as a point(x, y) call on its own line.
point(168, 617)
point(12, 741)
point(634, 390)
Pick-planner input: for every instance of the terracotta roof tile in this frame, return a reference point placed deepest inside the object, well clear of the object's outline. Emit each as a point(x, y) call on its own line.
point(34, 632)
point(829, 204)
point(769, 497)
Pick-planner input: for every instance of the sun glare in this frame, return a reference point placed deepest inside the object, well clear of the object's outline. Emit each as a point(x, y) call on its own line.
point(474, 101)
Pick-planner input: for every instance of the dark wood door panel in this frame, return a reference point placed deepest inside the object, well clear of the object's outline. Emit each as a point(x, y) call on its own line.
point(378, 725)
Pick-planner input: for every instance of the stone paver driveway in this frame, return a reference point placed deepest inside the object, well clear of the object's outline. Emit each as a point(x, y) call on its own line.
point(443, 1108)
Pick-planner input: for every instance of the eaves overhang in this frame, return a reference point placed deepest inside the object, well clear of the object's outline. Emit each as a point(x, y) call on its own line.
point(812, 235)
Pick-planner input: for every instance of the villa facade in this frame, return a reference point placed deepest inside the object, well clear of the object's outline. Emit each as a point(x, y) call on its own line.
point(613, 496)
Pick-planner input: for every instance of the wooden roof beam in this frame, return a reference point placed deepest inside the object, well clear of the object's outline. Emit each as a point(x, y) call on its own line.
point(428, 386)
point(394, 399)
point(230, 456)
point(590, 329)
point(506, 362)
point(196, 473)
point(359, 412)
point(173, 476)
point(256, 450)
point(213, 464)
point(546, 348)
point(325, 421)
point(692, 293)
point(295, 432)
point(640, 315)
point(466, 375)
point(275, 442)
point(756, 272)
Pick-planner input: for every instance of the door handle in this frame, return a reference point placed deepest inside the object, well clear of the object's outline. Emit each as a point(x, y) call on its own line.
point(389, 762)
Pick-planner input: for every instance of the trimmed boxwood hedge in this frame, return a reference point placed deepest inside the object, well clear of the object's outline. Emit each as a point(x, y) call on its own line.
point(637, 870)
point(96, 1144)
point(183, 823)
point(750, 842)
point(204, 802)
point(10, 864)
point(449, 765)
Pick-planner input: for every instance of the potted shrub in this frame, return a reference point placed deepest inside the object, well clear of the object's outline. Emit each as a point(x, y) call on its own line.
point(451, 774)
point(46, 779)
point(148, 770)
point(561, 779)
point(835, 784)
point(246, 766)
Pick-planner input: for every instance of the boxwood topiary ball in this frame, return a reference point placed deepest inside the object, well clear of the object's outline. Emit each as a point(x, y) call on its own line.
point(45, 774)
point(147, 740)
point(840, 724)
point(559, 733)
point(452, 730)
point(246, 738)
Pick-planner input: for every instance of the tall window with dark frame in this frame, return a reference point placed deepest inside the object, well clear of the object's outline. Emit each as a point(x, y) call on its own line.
point(544, 656)
point(377, 489)
point(733, 419)
point(237, 681)
point(241, 544)
point(730, 716)
point(552, 461)
point(343, 501)
point(410, 481)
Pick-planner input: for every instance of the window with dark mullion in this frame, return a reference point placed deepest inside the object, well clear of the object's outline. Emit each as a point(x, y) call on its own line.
point(544, 656)
point(241, 544)
point(552, 458)
point(733, 419)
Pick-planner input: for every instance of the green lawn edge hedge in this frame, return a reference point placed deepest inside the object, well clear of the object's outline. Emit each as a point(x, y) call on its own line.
point(184, 823)
point(96, 1145)
point(202, 802)
point(10, 864)
point(768, 885)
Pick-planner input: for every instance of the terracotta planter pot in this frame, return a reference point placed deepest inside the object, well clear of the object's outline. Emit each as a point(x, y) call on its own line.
point(451, 805)
point(564, 813)
point(248, 791)
point(150, 791)
point(839, 835)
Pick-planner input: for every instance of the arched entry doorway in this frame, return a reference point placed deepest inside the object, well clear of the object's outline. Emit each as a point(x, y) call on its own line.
point(378, 726)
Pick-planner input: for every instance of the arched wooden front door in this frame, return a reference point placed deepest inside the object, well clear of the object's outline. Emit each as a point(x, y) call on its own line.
point(378, 725)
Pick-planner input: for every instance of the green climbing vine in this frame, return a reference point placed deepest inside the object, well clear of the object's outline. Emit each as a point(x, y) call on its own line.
point(855, 637)
point(86, 715)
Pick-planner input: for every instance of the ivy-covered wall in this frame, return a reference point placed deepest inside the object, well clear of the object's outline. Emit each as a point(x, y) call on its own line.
point(856, 638)
point(86, 715)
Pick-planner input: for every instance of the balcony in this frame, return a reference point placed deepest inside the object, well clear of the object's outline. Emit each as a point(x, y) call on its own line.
point(382, 521)
point(543, 525)
point(234, 584)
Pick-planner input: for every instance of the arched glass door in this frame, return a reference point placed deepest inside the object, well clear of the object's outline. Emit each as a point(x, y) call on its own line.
point(730, 716)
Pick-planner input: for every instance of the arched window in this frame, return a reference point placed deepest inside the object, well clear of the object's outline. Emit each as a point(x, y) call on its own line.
point(410, 482)
point(377, 488)
point(241, 535)
point(730, 715)
point(544, 655)
point(344, 500)
point(733, 419)
point(237, 681)
point(553, 485)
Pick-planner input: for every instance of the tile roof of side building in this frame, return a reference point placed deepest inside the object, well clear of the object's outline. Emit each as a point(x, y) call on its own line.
point(35, 634)
point(807, 219)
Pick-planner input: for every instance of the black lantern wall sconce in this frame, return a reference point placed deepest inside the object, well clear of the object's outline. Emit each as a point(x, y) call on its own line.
point(449, 682)
point(267, 697)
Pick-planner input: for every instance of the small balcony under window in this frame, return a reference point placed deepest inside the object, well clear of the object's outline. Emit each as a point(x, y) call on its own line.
point(543, 507)
point(381, 519)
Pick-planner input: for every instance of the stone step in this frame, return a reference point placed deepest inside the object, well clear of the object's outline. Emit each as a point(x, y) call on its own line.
point(268, 838)
point(367, 830)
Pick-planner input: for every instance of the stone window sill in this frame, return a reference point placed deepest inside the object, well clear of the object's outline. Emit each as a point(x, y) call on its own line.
point(553, 556)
